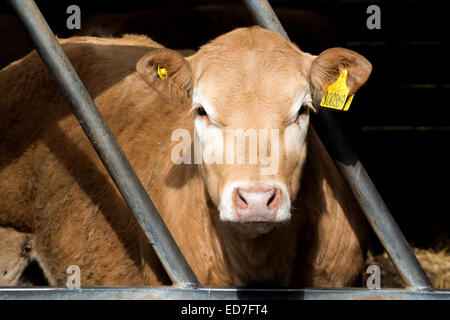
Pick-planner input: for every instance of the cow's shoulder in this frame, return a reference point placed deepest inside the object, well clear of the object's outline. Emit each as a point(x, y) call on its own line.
point(99, 62)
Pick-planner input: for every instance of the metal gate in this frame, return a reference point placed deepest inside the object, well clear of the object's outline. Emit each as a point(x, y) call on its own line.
point(185, 284)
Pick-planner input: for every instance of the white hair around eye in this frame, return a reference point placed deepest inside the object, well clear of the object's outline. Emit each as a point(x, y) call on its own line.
point(199, 101)
point(302, 102)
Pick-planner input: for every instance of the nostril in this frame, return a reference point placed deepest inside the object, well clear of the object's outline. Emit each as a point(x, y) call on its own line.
point(242, 198)
point(274, 201)
point(240, 201)
point(271, 199)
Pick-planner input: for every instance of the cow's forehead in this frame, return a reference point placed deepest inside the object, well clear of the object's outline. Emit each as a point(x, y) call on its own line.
point(250, 48)
point(253, 83)
point(276, 59)
point(250, 70)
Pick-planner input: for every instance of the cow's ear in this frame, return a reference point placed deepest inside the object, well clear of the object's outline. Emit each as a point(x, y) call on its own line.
point(326, 68)
point(168, 72)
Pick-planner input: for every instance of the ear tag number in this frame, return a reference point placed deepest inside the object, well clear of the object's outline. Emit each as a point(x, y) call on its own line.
point(336, 94)
point(162, 72)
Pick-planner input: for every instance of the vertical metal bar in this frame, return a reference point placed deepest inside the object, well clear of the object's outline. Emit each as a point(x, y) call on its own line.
point(356, 176)
point(104, 143)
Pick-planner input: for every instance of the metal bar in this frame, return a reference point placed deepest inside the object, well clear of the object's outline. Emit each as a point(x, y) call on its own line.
point(8, 293)
point(104, 143)
point(371, 203)
point(356, 176)
point(265, 16)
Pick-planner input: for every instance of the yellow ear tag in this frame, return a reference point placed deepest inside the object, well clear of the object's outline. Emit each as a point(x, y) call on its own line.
point(349, 101)
point(336, 94)
point(162, 72)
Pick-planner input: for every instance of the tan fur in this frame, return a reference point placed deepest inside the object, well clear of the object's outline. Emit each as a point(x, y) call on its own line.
point(54, 188)
point(15, 255)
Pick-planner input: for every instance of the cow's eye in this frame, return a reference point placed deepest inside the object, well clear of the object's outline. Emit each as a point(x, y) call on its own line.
point(201, 111)
point(303, 109)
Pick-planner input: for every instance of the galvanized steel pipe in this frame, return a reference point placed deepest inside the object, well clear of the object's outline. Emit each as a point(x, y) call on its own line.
point(104, 143)
point(356, 176)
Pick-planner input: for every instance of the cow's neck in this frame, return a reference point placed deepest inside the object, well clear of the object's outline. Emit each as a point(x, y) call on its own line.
point(258, 259)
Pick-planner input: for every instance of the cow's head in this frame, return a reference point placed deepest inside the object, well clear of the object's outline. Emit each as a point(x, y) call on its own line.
point(252, 86)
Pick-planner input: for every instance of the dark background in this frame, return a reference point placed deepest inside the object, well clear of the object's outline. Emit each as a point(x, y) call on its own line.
point(399, 121)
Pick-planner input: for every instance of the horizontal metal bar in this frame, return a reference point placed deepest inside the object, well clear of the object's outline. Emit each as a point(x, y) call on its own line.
point(104, 142)
point(356, 176)
point(8, 293)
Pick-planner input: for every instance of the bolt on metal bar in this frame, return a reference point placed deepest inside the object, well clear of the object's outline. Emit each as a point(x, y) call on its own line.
point(356, 176)
point(104, 143)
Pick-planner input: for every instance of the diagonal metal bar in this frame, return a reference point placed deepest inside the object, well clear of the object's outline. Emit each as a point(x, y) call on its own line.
point(356, 176)
point(104, 143)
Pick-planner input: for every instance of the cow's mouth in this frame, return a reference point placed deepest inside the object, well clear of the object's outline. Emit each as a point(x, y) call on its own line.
point(254, 228)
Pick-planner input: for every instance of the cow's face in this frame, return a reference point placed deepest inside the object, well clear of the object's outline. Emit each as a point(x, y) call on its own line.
point(251, 94)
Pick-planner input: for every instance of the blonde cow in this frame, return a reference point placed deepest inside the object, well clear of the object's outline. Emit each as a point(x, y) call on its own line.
point(222, 142)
